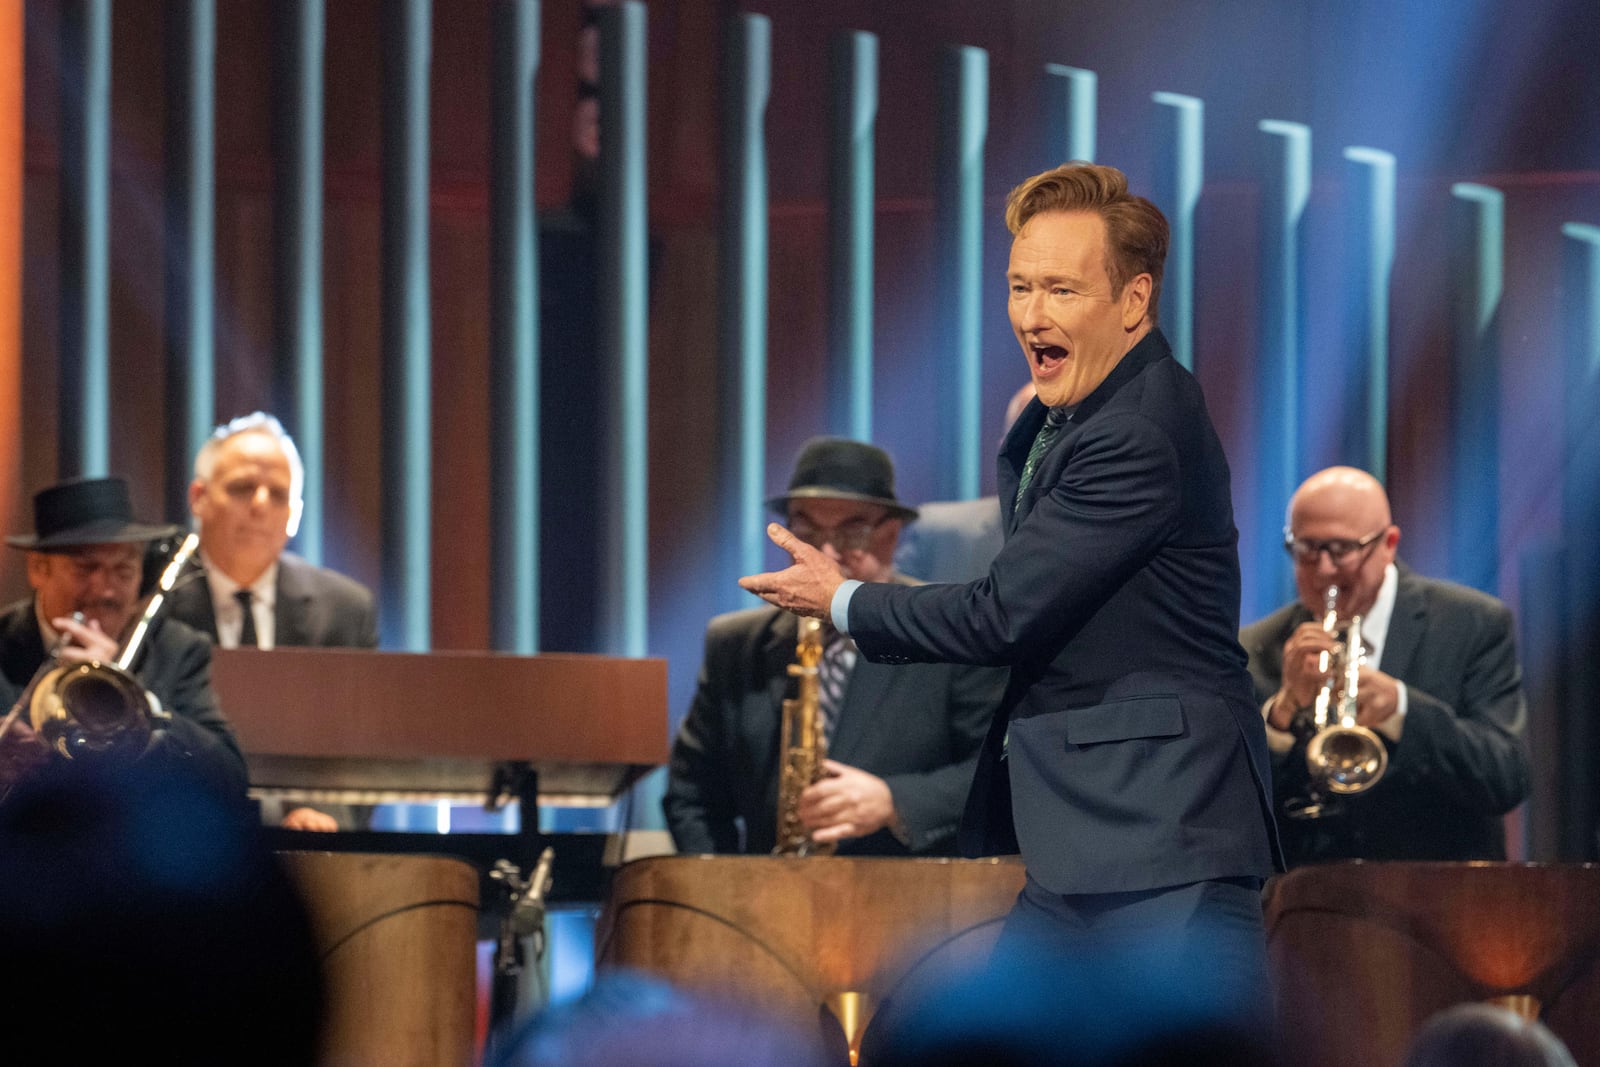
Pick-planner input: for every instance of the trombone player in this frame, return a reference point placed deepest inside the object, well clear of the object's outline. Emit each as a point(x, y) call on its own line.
point(1439, 683)
point(85, 560)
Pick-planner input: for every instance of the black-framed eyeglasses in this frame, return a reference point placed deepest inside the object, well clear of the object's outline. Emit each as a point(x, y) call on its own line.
point(1341, 551)
point(852, 536)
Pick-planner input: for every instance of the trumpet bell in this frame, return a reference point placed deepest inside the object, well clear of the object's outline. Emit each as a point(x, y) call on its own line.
point(1347, 759)
point(93, 711)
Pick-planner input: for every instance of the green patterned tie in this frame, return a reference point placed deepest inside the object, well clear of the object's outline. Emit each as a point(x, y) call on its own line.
point(1053, 421)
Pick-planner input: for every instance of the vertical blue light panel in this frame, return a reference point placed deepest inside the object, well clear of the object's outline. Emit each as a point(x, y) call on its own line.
point(851, 170)
point(963, 119)
point(742, 319)
point(1476, 268)
point(85, 389)
point(624, 327)
point(1369, 178)
point(1180, 172)
point(514, 334)
point(297, 251)
point(1579, 744)
point(406, 597)
point(1285, 190)
point(1070, 102)
point(190, 293)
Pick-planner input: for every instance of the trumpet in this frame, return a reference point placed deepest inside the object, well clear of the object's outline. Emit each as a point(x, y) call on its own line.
point(1343, 758)
point(99, 710)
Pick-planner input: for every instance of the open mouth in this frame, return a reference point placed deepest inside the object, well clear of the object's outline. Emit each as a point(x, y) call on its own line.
point(1048, 357)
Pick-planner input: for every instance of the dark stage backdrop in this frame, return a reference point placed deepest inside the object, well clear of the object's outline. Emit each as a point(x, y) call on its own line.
point(1471, 90)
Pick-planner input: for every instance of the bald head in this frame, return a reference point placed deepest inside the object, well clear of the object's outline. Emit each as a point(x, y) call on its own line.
point(1346, 491)
point(1344, 536)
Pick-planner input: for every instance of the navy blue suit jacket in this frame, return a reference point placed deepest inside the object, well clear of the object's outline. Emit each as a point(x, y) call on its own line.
point(1128, 753)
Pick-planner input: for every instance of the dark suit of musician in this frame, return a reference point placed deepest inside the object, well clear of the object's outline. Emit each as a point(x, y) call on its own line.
point(918, 728)
point(312, 607)
point(1460, 762)
point(175, 665)
point(1128, 754)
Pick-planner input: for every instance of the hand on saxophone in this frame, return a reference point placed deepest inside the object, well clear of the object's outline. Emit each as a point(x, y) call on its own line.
point(85, 643)
point(848, 802)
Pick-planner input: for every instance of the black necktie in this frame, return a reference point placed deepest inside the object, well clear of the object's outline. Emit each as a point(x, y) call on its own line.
point(247, 632)
point(1054, 419)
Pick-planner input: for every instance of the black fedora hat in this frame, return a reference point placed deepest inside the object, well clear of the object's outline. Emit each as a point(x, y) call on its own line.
point(836, 468)
point(86, 511)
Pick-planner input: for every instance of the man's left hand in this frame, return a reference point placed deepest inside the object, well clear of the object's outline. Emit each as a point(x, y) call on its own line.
point(848, 803)
point(807, 587)
point(1377, 697)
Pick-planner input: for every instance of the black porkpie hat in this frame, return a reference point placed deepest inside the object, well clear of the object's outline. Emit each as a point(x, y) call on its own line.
point(86, 511)
point(835, 468)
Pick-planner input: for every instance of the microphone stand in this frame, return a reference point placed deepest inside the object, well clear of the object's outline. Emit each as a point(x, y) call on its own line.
point(522, 912)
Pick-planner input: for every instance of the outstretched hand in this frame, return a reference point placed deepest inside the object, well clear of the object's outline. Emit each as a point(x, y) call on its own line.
point(806, 587)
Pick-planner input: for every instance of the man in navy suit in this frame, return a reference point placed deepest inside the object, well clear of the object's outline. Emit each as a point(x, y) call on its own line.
point(1128, 762)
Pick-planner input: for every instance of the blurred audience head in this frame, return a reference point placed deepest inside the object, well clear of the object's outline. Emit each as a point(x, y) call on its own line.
point(1484, 1035)
point(635, 1020)
point(142, 919)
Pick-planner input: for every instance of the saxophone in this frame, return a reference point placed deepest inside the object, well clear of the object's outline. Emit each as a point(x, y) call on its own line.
point(802, 746)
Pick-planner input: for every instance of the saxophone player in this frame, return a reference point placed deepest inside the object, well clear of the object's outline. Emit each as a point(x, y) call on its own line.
point(84, 565)
point(902, 741)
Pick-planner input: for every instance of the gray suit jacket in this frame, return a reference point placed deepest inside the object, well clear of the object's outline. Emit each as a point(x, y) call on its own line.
point(316, 607)
point(1460, 763)
point(951, 541)
point(918, 728)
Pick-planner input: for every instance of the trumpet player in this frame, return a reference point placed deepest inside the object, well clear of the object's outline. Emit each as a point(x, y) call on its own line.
point(84, 565)
point(1439, 682)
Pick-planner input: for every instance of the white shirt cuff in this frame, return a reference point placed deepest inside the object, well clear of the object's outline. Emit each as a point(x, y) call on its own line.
point(1277, 740)
point(839, 610)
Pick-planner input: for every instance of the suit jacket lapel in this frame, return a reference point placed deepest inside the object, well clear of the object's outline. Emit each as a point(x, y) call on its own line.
point(24, 648)
point(291, 614)
point(863, 694)
point(1406, 626)
point(191, 600)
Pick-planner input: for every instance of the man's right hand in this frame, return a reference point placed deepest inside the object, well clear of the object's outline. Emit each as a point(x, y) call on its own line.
point(88, 643)
point(21, 753)
point(1302, 677)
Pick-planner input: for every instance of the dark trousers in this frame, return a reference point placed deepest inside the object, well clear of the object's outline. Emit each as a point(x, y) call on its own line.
point(1146, 967)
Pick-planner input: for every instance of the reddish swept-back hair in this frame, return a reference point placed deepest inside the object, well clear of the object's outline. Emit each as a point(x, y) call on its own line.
point(1137, 234)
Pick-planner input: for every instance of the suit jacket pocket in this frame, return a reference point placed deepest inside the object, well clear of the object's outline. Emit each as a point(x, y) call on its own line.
point(1124, 720)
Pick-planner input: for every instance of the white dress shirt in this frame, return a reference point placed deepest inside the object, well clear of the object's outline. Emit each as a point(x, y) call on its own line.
point(230, 616)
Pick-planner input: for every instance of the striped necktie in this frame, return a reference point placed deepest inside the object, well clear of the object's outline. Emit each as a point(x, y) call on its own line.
point(833, 675)
point(1053, 421)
